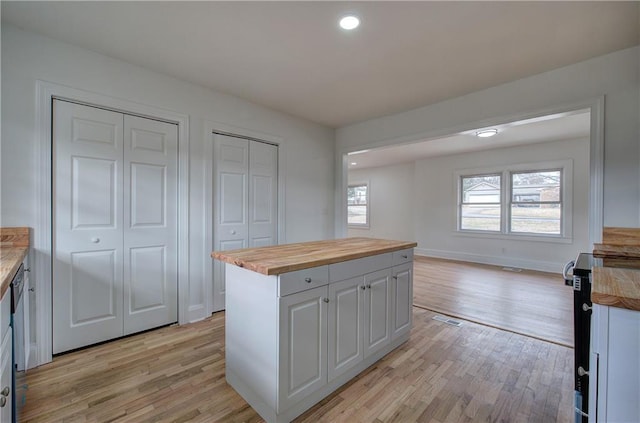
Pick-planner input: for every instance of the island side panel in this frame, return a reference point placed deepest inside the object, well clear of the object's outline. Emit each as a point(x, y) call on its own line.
point(251, 333)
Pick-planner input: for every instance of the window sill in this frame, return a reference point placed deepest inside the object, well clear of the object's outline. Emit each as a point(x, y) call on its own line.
point(553, 239)
point(358, 227)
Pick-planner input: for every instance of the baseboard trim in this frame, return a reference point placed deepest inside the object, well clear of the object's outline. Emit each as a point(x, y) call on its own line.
point(542, 266)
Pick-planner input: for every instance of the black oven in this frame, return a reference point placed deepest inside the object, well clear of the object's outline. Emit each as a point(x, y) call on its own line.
point(581, 282)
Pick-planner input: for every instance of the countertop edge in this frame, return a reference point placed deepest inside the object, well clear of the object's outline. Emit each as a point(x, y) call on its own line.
point(274, 270)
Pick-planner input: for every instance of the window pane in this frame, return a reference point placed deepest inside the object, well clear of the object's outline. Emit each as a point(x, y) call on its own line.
point(481, 189)
point(357, 200)
point(537, 219)
point(356, 194)
point(357, 215)
point(480, 217)
point(536, 186)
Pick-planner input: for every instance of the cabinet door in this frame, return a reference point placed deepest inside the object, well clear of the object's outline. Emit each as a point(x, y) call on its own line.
point(302, 367)
point(346, 317)
point(402, 287)
point(377, 311)
point(6, 375)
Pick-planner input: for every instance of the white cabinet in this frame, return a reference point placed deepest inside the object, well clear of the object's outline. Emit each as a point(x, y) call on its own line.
point(6, 361)
point(377, 311)
point(303, 345)
point(614, 379)
point(293, 338)
point(402, 286)
point(346, 322)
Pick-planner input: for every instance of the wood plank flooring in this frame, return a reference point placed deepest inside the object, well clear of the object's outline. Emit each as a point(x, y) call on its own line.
point(444, 373)
point(532, 303)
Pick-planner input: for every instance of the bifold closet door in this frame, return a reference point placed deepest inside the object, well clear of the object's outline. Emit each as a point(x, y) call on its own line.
point(115, 227)
point(245, 200)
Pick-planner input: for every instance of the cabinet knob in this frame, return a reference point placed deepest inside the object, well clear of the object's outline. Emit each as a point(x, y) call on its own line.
point(363, 287)
point(307, 280)
point(5, 392)
point(326, 300)
point(95, 240)
point(586, 307)
point(27, 269)
point(582, 371)
point(369, 285)
point(3, 401)
point(233, 232)
point(395, 277)
point(404, 256)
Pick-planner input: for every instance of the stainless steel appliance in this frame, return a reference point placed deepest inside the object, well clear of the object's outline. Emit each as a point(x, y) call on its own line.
point(581, 282)
point(17, 322)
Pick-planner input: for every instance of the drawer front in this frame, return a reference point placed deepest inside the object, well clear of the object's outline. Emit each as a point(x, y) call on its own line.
point(402, 256)
point(358, 267)
point(301, 280)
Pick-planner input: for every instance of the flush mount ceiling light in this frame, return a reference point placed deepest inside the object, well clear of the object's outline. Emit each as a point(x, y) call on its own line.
point(486, 133)
point(353, 163)
point(349, 22)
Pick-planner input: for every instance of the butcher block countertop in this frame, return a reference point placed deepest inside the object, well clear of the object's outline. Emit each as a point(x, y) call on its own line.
point(14, 246)
point(616, 271)
point(284, 258)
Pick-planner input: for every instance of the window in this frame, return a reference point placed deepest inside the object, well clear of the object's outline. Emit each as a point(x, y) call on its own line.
point(536, 202)
point(358, 205)
point(519, 200)
point(480, 203)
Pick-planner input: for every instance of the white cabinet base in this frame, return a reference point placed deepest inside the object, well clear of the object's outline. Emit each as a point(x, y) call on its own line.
point(269, 414)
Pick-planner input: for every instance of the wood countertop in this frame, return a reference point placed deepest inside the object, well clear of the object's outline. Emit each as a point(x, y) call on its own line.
point(616, 286)
point(278, 259)
point(14, 246)
point(616, 271)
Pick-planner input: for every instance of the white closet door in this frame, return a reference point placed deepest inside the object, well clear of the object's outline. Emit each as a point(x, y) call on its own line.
point(150, 223)
point(88, 227)
point(231, 174)
point(263, 194)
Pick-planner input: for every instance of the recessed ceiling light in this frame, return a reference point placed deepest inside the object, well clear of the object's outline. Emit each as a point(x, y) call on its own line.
point(349, 22)
point(353, 163)
point(486, 133)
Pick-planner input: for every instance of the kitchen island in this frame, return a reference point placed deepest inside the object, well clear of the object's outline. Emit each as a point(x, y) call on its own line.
point(303, 319)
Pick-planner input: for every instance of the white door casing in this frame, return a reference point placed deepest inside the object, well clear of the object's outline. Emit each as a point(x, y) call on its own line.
point(115, 267)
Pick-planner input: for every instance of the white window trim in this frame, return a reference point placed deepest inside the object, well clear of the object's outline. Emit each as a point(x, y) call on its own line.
point(566, 189)
point(361, 225)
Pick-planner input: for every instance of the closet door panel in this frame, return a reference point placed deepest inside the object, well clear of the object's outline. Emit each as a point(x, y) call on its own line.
point(151, 224)
point(87, 225)
point(231, 212)
point(263, 194)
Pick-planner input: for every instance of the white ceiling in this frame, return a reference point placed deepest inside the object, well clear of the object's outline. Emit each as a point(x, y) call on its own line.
point(292, 57)
point(532, 131)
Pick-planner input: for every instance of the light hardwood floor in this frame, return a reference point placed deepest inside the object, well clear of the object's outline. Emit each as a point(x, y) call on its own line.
point(531, 303)
point(444, 373)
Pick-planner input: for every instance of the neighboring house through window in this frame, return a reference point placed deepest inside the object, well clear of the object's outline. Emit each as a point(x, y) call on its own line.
point(358, 205)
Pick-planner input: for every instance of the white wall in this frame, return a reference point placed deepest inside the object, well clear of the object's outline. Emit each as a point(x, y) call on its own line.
point(436, 208)
point(27, 57)
point(418, 202)
point(615, 75)
point(390, 201)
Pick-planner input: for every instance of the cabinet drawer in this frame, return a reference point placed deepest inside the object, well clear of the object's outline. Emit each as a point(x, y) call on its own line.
point(402, 256)
point(358, 267)
point(301, 280)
